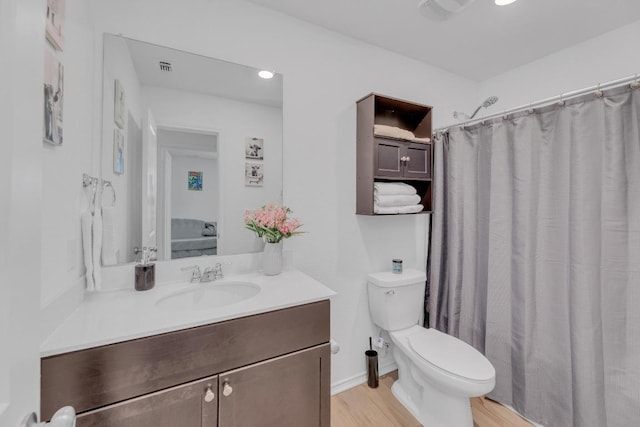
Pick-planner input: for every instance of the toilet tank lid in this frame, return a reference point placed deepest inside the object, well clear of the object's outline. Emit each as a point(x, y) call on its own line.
point(387, 279)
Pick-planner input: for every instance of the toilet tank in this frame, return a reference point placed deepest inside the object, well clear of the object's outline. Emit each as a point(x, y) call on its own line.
point(396, 300)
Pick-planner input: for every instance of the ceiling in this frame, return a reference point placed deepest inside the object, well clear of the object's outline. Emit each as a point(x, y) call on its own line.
point(481, 41)
point(201, 74)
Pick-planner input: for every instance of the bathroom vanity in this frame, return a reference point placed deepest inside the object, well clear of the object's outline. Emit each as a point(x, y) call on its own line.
point(258, 367)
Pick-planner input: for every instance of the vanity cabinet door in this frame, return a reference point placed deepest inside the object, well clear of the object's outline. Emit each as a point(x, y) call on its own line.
point(291, 390)
point(194, 404)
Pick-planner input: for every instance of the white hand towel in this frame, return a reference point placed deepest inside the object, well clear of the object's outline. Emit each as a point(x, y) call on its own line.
point(87, 248)
point(108, 237)
point(97, 248)
point(396, 200)
point(387, 210)
point(393, 188)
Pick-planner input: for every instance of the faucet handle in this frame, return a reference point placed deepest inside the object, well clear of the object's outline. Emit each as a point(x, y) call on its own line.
point(195, 275)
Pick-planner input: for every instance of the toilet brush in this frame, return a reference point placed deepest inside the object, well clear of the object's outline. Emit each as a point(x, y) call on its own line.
point(372, 366)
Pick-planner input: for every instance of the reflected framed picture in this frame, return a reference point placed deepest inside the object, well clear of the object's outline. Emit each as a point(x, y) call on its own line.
point(194, 182)
point(254, 148)
point(119, 104)
point(253, 174)
point(53, 96)
point(118, 152)
point(55, 23)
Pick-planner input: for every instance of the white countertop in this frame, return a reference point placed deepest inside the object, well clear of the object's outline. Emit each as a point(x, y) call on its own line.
point(114, 316)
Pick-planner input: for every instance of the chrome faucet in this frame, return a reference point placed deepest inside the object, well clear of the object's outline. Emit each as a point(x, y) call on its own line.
point(210, 274)
point(196, 276)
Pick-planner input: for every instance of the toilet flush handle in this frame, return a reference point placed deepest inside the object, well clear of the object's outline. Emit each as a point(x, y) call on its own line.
point(390, 293)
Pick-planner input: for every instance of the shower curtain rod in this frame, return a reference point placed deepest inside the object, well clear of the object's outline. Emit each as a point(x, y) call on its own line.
point(633, 81)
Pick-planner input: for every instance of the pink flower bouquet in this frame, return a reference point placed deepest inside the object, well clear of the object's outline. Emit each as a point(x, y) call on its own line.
point(271, 223)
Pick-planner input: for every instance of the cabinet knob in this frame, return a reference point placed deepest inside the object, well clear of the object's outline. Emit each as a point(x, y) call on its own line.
point(408, 159)
point(402, 159)
point(227, 389)
point(209, 395)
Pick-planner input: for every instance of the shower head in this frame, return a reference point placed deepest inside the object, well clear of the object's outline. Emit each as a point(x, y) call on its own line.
point(490, 101)
point(486, 104)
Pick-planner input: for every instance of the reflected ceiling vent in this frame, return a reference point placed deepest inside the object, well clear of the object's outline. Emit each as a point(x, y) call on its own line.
point(165, 66)
point(441, 10)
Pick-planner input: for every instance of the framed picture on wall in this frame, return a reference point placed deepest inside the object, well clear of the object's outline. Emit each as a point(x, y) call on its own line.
point(119, 104)
point(118, 152)
point(253, 174)
point(55, 23)
point(194, 181)
point(53, 96)
point(254, 148)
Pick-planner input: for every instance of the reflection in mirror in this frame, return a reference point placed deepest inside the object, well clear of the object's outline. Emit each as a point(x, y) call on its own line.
point(189, 143)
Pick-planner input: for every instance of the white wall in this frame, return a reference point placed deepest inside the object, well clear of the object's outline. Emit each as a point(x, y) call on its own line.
point(233, 121)
point(324, 74)
point(187, 203)
point(605, 58)
point(62, 166)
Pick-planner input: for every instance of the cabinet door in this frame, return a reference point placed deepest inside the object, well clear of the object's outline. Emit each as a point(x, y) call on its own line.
point(291, 390)
point(194, 404)
point(387, 158)
point(418, 161)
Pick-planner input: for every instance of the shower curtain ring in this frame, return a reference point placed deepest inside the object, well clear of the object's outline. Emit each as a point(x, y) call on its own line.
point(636, 83)
point(598, 93)
point(530, 110)
point(561, 102)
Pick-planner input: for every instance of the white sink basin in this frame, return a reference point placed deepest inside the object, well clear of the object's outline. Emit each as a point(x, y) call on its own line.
point(209, 295)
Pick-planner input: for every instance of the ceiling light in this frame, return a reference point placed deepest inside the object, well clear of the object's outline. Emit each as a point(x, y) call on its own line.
point(504, 2)
point(265, 74)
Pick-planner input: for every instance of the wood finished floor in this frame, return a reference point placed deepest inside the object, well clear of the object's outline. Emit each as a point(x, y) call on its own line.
point(362, 406)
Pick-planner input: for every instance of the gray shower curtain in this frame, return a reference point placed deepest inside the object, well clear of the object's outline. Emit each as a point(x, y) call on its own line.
point(535, 256)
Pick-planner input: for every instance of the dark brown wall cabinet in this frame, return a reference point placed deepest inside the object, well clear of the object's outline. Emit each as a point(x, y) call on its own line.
point(385, 158)
point(271, 369)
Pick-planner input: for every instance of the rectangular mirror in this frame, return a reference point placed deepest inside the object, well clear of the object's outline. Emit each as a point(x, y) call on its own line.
point(189, 143)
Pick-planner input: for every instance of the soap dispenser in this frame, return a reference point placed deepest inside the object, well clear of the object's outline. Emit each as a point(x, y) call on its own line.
point(145, 271)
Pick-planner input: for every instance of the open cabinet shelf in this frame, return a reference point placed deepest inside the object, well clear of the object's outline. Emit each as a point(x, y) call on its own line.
point(387, 158)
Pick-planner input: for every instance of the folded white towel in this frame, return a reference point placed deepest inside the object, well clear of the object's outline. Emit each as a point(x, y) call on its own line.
point(108, 237)
point(396, 199)
point(96, 232)
point(423, 140)
point(87, 248)
point(393, 188)
point(393, 132)
point(397, 209)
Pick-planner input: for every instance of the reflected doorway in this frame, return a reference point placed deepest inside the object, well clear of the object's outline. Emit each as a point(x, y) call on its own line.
point(189, 207)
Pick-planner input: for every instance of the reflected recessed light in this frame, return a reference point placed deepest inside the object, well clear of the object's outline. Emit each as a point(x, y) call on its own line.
point(265, 74)
point(504, 2)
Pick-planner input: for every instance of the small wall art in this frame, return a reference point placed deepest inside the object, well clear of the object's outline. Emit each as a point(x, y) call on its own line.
point(118, 152)
point(119, 104)
point(55, 23)
point(254, 148)
point(253, 174)
point(195, 181)
point(53, 96)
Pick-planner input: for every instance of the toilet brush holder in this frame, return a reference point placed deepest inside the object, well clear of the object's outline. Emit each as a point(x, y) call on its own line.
point(372, 368)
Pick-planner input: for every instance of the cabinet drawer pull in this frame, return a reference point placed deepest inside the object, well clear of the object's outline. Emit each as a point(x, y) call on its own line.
point(227, 389)
point(209, 395)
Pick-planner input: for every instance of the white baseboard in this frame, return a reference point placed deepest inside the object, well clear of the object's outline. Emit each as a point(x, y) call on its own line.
point(356, 380)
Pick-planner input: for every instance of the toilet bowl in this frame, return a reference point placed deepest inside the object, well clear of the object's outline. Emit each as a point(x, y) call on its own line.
point(437, 373)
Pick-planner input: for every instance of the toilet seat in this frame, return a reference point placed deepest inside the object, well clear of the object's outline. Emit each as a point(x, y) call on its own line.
point(451, 355)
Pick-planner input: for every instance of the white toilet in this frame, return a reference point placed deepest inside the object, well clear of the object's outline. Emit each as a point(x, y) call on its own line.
point(438, 373)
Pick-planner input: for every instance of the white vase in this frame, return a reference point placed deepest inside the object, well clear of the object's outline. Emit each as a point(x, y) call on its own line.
point(272, 258)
